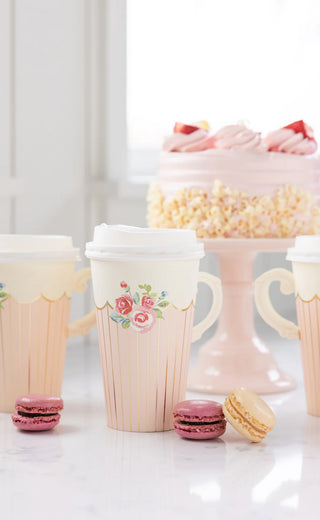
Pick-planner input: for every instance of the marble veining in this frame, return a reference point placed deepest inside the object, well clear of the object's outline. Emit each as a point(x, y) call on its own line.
point(83, 470)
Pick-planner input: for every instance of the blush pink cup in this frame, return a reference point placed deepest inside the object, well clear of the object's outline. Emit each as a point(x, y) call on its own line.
point(37, 279)
point(304, 281)
point(144, 284)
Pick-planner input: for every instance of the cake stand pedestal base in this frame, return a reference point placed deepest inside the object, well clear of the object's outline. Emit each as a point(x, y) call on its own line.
point(236, 356)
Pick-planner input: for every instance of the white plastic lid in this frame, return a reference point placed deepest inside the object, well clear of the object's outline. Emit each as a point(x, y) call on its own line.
point(306, 249)
point(135, 243)
point(37, 248)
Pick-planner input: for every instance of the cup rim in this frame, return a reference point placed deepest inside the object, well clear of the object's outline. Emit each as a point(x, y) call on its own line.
point(142, 253)
point(7, 257)
point(305, 250)
point(37, 248)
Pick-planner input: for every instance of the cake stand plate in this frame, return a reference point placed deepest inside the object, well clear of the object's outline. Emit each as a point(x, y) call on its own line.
point(236, 356)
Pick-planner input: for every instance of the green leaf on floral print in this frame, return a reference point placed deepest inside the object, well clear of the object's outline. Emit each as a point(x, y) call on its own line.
point(141, 286)
point(125, 324)
point(136, 298)
point(3, 295)
point(159, 313)
point(154, 294)
point(163, 304)
point(148, 288)
point(127, 289)
point(116, 317)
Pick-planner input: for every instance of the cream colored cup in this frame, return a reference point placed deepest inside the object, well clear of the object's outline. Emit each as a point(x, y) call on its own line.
point(144, 284)
point(37, 279)
point(305, 283)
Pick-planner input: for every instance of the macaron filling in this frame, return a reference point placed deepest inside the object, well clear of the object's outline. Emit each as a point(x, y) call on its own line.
point(194, 423)
point(207, 424)
point(199, 427)
point(32, 414)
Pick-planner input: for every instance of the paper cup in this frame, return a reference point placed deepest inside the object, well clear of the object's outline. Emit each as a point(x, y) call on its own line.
point(36, 282)
point(144, 284)
point(305, 283)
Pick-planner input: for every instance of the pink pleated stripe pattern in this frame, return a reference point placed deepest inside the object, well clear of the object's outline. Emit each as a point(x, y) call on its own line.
point(32, 348)
point(308, 313)
point(144, 375)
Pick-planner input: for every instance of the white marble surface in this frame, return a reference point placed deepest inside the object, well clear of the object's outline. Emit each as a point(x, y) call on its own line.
point(82, 470)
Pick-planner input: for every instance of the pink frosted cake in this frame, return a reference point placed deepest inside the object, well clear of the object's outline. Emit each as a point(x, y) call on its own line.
point(235, 183)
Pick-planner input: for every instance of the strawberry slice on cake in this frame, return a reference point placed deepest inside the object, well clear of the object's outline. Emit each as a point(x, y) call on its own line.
point(296, 138)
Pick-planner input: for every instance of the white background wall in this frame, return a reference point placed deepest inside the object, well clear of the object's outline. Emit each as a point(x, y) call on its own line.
point(54, 99)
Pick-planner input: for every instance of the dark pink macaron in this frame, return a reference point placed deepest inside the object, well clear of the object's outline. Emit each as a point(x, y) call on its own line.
point(199, 419)
point(37, 412)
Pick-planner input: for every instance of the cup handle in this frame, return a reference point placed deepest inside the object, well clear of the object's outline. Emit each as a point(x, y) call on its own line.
point(286, 328)
point(215, 285)
point(85, 324)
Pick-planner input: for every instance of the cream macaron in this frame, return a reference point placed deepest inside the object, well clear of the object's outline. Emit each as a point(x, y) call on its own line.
point(249, 414)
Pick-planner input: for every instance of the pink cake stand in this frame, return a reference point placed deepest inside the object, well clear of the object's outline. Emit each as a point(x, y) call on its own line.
point(236, 356)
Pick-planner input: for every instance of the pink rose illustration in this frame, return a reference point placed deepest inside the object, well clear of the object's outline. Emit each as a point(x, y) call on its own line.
point(124, 304)
point(136, 310)
point(147, 302)
point(142, 320)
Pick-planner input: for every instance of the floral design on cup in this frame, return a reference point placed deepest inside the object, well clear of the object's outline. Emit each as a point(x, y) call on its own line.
point(3, 295)
point(124, 304)
point(141, 319)
point(140, 310)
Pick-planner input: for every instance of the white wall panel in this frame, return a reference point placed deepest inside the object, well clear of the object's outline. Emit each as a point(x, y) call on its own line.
point(49, 116)
point(5, 110)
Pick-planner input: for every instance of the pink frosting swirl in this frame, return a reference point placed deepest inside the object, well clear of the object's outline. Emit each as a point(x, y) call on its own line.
point(194, 142)
point(287, 140)
point(238, 137)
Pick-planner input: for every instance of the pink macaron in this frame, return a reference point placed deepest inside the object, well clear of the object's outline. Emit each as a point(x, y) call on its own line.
point(199, 419)
point(37, 412)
